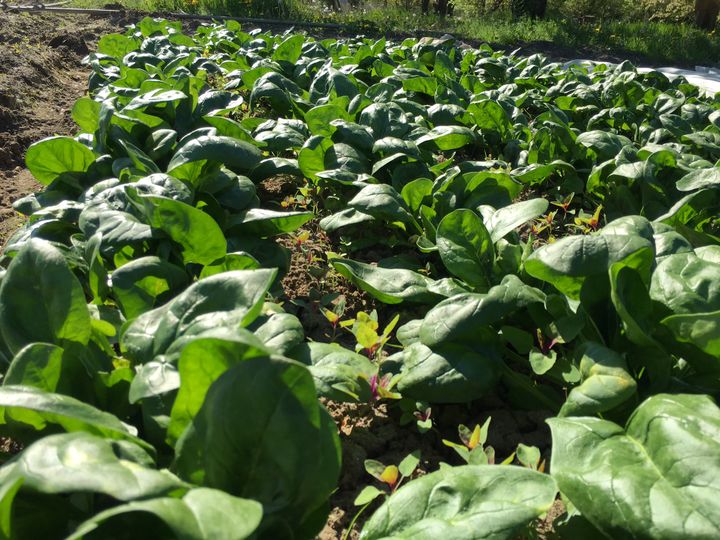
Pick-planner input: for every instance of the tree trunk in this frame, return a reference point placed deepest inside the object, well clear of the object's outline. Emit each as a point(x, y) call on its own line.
point(706, 13)
point(425, 6)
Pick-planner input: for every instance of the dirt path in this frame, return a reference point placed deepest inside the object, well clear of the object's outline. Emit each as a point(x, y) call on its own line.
point(41, 76)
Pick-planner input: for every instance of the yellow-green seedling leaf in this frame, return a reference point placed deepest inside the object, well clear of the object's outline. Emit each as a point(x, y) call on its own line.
point(529, 456)
point(366, 335)
point(409, 464)
point(331, 316)
point(374, 468)
point(391, 326)
point(474, 438)
point(367, 495)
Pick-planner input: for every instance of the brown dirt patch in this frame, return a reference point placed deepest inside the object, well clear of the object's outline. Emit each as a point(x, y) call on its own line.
point(41, 76)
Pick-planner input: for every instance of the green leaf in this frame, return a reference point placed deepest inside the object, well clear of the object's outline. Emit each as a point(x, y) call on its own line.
point(247, 453)
point(265, 223)
point(382, 202)
point(24, 406)
point(238, 156)
point(202, 513)
point(490, 116)
point(339, 374)
point(200, 236)
point(465, 247)
point(51, 157)
point(606, 383)
point(319, 119)
point(656, 478)
point(41, 300)
point(568, 262)
point(81, 462)
point(541, 362)
point(447, 138)
point(367, 495)
point(230, 299)
point(143, 283)
point(699, 179)
point(389, 285)
point(290, 49)
point(688, 286)
point(86, 114)
point(408, 465)
point(465, 317)
point(507, 219)
point(201, 363)
point(38, 365)
point(470, 502)
point(603, 144)
point(280, 332)
point(449, 373)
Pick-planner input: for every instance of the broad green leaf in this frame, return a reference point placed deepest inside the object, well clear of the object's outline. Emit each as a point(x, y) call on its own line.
point(231, 261)
point(656, 478)
point(606, 383)
point(237, 155)
point(200, 514)
point(382, 202)
point(415, 192)
point(470, 502)
point(23, 407)
point(466, 317)
point(201, 363)
point(507, 219)
point(200, 236)
point(41, 300)
point(81, 462)
point(311, 158)
point(86, 114)
point(246, 453)
point(117, 45)
point(567, 263)
point(319, 119)
point(604, 144)
point(51, 157)
point(38, 365)
point(490, 116)
point(689, 287)
point(465, 247)
point(447, 137)
point(290, 49)
point(280, 332)
point(230, 300)
point(699, 179)
point(143, 283)
point(449, 373)
point(339, 374)
point(389, 285)
point(265, 223)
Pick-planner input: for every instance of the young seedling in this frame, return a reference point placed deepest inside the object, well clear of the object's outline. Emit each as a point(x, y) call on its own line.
point(589, 224)
point(529, 456)
point(472, 450)
point(417, 411)
point(365, 329)
point(391, 476)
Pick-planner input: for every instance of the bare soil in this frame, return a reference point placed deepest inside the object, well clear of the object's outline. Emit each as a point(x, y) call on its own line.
point(41, 76)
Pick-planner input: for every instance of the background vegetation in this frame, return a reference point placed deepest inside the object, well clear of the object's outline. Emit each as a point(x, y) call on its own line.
point(657, 32)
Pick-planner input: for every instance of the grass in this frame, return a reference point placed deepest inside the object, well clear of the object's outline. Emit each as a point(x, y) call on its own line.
point(654, 43)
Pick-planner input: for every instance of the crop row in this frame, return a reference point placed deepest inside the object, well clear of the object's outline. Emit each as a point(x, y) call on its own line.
point(554, 228)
